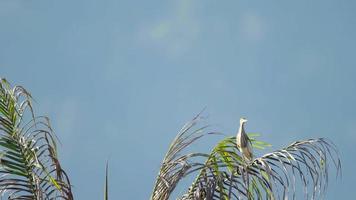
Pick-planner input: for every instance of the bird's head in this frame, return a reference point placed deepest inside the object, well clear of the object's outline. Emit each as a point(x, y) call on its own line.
point(243, 120)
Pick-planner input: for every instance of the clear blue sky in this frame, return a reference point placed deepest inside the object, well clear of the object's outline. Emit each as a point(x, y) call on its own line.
point(119, 78)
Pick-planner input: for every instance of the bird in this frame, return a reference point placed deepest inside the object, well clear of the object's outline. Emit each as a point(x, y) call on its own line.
point(243, 141)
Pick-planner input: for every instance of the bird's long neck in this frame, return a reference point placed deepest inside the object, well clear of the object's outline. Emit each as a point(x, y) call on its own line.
point(242, 128)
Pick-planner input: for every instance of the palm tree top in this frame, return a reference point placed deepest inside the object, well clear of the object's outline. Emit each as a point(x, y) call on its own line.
point(299, 168)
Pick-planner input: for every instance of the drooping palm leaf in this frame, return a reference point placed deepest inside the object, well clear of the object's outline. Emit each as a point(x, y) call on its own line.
point(29, 166)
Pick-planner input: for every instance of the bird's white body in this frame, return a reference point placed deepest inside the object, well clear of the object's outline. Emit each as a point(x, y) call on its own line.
point(243, 142)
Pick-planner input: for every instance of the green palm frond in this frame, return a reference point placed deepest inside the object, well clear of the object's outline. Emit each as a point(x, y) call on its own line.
point(272, 176)
point(224, 174)
point(29, 166)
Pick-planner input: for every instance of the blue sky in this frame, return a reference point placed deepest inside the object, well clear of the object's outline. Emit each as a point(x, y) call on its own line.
point(119, 78)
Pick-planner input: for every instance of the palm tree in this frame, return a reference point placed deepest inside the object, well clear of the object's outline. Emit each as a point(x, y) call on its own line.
point(225, 174)
point(29, 165)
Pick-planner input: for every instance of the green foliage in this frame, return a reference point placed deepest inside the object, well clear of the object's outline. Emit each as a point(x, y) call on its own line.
point(29, 166)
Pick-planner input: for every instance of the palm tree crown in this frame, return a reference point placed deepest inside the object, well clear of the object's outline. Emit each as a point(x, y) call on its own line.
point(225, 174)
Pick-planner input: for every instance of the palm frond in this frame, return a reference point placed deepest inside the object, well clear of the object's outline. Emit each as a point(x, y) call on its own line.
point(29, 165)
point(176, 164)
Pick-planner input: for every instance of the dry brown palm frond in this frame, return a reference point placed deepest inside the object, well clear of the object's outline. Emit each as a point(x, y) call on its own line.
point(175, 164)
